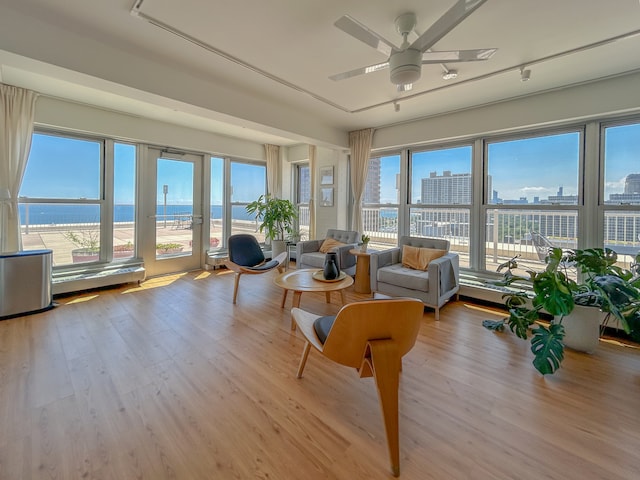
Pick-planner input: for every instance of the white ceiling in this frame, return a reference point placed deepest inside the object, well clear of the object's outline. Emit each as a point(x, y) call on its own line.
point(292, 47)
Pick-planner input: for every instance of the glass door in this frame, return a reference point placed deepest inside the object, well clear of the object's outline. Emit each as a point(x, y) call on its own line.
point(173, 226)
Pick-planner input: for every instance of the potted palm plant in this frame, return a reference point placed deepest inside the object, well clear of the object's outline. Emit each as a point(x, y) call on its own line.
point(277, 216)
point(604, 287)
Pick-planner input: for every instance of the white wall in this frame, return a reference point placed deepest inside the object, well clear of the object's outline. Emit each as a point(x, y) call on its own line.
point(81, 118)
point(613, 96)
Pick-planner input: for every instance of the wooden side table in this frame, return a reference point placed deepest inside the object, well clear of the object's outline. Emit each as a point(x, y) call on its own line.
point(362, 283)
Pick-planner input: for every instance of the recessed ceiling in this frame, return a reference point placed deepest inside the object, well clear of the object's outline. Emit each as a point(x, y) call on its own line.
point(282, 53)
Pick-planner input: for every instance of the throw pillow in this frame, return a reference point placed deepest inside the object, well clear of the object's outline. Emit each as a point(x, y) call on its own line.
point(419, 258)
point(329, 244)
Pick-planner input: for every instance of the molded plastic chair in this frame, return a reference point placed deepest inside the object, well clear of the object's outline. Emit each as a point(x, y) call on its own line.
point(543, 245)
point(245, 256)
point(372, 336)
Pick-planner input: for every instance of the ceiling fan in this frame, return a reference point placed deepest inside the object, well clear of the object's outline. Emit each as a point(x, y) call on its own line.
point(405, 62)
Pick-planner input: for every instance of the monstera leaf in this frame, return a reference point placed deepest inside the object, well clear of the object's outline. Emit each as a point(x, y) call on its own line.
point(495, 325)
point(547, 347)
point(520, 319)
point(553, 292)
point(619, 297)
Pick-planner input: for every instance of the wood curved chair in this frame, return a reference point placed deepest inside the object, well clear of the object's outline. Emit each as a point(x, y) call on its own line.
point(245, 256)
point(372, 336)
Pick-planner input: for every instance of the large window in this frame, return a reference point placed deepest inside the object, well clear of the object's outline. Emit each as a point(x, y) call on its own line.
point(381, 201)
point(441, 190)
point(621, 189)
point(61, 198)
point(124, 200)
point(217, 228)
point(248, 182)
point(303, 194)
point(78, 198)
point(531, 188)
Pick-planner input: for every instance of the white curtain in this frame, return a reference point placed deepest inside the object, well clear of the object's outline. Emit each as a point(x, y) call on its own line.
point(274, 172)
point(17, 110)
point(360, 145)
point(313, 151)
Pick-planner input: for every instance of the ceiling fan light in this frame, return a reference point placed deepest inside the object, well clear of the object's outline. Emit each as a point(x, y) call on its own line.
point(405, 66)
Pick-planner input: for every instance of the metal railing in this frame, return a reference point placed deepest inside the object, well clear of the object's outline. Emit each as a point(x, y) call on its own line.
point(508, 231)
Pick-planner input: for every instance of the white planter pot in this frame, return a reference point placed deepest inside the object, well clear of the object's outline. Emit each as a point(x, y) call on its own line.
point(582, 329)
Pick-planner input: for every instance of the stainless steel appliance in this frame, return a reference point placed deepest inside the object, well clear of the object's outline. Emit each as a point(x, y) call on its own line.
point(25, 282)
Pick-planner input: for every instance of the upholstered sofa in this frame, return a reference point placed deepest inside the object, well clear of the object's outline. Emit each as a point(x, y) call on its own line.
point(434, 286)
point(308, 254)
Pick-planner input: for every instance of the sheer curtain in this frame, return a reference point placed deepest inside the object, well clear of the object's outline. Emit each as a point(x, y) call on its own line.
point(17, 110)
point(274, 173)
point(360, 145)
point(312, 194)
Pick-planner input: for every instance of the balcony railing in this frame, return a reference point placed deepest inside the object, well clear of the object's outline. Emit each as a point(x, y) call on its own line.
point(508, 231)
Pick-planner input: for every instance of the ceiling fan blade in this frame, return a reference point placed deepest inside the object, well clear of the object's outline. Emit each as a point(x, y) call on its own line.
point(476, 55)
point(360, 71)
point(447, 22)
point(357, 30)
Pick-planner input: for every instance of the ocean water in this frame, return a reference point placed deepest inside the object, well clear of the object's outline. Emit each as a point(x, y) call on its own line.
point(56, 214)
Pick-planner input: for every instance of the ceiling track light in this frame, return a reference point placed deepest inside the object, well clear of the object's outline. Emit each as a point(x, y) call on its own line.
point(449, 74)
point(525, 74)
point(396, 106)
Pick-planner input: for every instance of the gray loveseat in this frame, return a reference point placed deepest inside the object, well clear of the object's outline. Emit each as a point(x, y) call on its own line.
point(434, 287)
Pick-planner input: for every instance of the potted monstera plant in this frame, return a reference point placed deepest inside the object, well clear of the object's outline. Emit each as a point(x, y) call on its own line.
point(277, 216)
point(603, 287)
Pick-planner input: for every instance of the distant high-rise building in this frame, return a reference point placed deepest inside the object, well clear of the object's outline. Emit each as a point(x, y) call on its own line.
point(449, 188)
point(372, 188)
point(632, 184)
point(561, 198)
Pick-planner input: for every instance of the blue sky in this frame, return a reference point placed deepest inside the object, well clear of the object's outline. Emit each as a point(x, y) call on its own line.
point(519, 168)
point(525, 167)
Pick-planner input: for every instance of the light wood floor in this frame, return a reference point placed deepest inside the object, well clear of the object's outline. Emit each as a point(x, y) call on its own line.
point(171, 381)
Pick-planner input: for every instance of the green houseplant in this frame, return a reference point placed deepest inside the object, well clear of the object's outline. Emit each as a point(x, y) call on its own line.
point(88, 242)
point(277, 216)
point(603, 285)
point(365, 242)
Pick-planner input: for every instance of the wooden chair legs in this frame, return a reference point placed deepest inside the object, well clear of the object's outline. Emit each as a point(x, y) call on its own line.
point(303, 359)
point(235, 287)
point(383, 361)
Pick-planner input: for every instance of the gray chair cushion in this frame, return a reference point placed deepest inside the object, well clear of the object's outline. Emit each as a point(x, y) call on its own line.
point(403, 277)
point(322, 326)
point(314, 259)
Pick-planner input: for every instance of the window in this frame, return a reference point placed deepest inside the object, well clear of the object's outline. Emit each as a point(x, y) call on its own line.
point(69, 189)
point(124, 200)
point(531, 192)
point(61, 198)
point(381, 201)
point(440, 195)
point(248, 182)
point(303, 194)
point(539, 170)
point(217, 232)
point(621, 189)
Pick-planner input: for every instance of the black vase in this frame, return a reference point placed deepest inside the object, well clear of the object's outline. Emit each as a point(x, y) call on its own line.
point(331, 269)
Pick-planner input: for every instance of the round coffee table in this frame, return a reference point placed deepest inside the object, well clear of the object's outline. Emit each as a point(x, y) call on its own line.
point(302, 281)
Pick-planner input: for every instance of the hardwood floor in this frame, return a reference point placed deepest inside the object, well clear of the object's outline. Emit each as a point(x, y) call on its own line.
point(171, 381)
